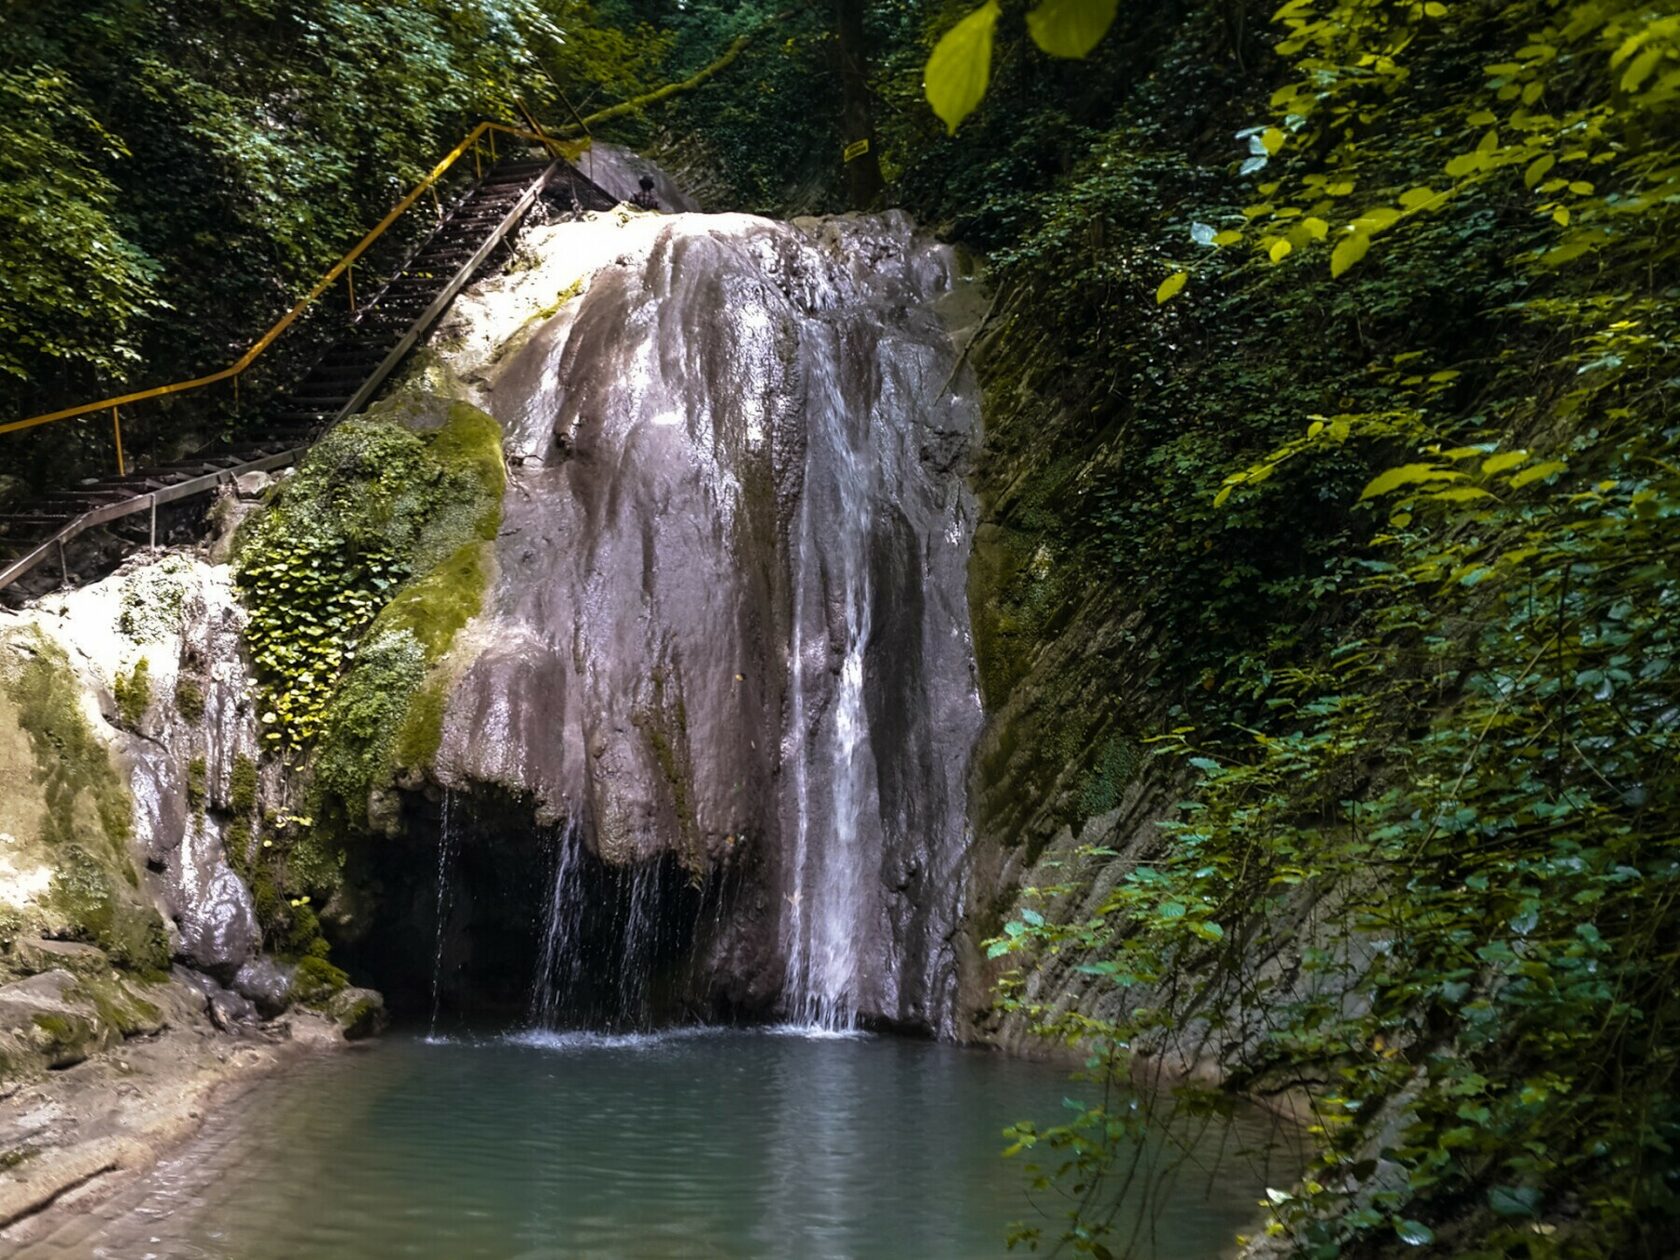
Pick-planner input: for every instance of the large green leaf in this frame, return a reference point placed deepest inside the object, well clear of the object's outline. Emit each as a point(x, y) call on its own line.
point(961, 66)
point(1071, 28)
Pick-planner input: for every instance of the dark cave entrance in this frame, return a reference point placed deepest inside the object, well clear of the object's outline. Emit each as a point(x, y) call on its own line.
point(616, 948)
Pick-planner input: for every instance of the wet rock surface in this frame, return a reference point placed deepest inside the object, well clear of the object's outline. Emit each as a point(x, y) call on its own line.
point(730, 617)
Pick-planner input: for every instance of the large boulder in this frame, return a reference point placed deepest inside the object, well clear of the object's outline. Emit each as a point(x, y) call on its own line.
point(267, 983)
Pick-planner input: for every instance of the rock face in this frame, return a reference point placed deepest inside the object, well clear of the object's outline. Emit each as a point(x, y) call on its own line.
point(155, 651)
point(730, 618)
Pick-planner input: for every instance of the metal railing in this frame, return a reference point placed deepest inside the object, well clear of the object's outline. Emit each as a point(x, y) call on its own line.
point(344, 268)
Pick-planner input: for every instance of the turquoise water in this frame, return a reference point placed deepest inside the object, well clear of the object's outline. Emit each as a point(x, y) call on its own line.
point(698, 1144)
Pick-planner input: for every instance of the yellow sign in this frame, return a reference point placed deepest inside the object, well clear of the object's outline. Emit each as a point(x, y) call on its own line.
point(855, 149)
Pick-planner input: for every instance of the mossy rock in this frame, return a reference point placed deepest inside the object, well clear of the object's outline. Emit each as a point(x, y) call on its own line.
point(49, 1022)
point(359, 1013)
point(85, 818)
point(317, 981)
point(64, 1040)
point(34, 956)
point(119, 1007)
point(189, 698)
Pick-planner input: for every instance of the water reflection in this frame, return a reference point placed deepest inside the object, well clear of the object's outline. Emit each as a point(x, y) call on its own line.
point(702, 1143)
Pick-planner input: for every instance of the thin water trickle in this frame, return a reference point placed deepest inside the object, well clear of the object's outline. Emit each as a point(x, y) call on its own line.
point(447, 843)
point(559, 955)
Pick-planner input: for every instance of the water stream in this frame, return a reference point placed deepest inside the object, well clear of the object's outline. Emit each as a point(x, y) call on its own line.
point(697, 1144)
point(560, 958)
point(448, 841)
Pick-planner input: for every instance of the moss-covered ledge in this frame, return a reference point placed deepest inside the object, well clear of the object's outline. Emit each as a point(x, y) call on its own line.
point(358, 578)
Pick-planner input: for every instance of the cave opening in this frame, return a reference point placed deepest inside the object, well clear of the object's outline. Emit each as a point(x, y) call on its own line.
point(477, 916)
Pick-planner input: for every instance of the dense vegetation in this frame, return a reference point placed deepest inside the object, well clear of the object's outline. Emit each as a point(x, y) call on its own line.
point(1381, 448)
point(1331, 369)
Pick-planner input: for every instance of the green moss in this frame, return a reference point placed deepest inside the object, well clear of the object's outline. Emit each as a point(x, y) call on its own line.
point(236, 844)
point(88, 812)
point(316, 981)
point(242, 785)
point(134, 693)
point(469, 446)
point(189, 698)
point(434, 608)
point(422, 732)
point(118, 1007)
point(1116, 762)
point(57, 1027)
point(197, 782)
point(565, 295)
point(270, 906)
point(371, 707)
point(71, 764)
point(381, 537)
point(107, 910)
point(360, 1018)
point(302, 933)
point(358, 578)
point(151, 601)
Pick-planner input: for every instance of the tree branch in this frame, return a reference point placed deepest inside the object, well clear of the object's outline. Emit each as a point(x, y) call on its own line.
point(638, 103)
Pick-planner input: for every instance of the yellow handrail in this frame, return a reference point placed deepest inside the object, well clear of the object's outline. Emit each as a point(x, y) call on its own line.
point(267, 339)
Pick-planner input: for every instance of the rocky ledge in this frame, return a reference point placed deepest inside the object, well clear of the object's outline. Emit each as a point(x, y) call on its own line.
point(101, 1072)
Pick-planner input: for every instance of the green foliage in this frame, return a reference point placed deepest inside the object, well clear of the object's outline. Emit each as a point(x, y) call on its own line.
point(62, 234)
point(960, 66)
point(1559, 95)
point(133, 691)
point(373, 505)
point(357, 580)
point(1363, 534)
point(173, 177)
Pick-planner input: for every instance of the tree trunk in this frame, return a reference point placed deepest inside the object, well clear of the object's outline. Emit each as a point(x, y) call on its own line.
point(857, 119)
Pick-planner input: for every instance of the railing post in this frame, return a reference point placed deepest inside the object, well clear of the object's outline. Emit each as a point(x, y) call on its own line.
point(478, 167)
point(350, 283)
point(116, 428)
point(154, 516)
point(491, 136)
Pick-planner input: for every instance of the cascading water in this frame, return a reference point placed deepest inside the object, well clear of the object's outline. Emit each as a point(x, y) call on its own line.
point(729, 623)
point(554, 991)
point(609, 937)
point(828, 870)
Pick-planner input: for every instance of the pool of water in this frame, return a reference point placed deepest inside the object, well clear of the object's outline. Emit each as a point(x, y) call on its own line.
point(686, 1144)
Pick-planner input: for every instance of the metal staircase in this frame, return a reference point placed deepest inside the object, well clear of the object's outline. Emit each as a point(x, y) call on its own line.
point(379, 335)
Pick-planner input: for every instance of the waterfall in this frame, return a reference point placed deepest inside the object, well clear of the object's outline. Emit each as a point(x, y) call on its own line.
point(448, 842)
point(606, 932)
point(729, 611)
point(829, 869)
point(560, 954)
